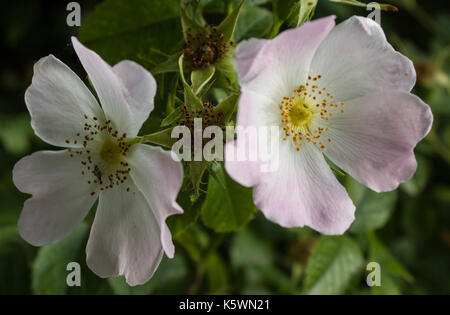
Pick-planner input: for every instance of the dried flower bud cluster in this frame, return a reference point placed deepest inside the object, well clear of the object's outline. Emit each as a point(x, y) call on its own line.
point(204, 47)
point(209, 117)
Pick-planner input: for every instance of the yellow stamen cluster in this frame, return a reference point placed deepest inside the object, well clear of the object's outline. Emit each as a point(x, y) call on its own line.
point(307, 114)
point(104, 151)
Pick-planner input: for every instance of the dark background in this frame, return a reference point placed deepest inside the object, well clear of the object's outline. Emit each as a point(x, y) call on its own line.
point(417, 233)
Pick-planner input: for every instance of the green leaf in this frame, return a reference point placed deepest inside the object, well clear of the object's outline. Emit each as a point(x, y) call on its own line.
point(168, 278)
point(278, 279)
point(355, 190)
point(190, 98)
point(390, 268)
point(417, 183)
point(169, 65)
point(119, 30)
point(226, 77)
point(15, 257)
point(162, 138)
point(227, 107)
point(181, 222)
point(188, 23)
point(373, 209)
point(441, 193)
point(120, 286)
point(191, 15)
point(12, 199)
point(254, 22)
point(226, 64)
point(16, 133)
point(217, 274)
point(201, 77)
point(227, 208)
point(379, 253)
point(253, 259)
point(389, 286)
point(333, 262)
point(195, 241)
point(172, 275)
point(250, 250)
point(335, 168)
point(306, 12)
point(284, 9)
point(228, 25)
point(49, 268)
point(172, 117)
point(197, 170)
point(387, 7)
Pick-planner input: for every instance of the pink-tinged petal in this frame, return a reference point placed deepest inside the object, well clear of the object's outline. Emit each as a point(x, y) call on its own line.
point(355, 59)
point(245, 172)
point(57, 101)
point(281, 64)
point(109, 89)
point(61, 196)
point(374, 139)
point(140, 89)
point(255, 111)
point(159, 178)
point(246, 59)
point(303, 191)
point(125, 236)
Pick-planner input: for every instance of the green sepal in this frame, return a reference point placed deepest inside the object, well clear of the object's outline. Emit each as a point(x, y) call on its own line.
point(226, 63)
point(172, 117)
point(169, 65)
point(383, 6)
point(197, 170)
point(188, 23)
point(335, 168)
point(228, 25)
point(191, 16)
point(227, 107)
point(307, 8)
point(201, 77)
point(162, 138)
point(190, 98)
point(228, 206)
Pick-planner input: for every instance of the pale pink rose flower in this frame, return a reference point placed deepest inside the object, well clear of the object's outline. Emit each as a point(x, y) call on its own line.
point(136, 186)
point(337, 91)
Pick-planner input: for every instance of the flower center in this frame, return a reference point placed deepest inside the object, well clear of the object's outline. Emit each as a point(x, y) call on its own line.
point(110, 152)
point(307, 114)
point(300, 114)
point(103, 153)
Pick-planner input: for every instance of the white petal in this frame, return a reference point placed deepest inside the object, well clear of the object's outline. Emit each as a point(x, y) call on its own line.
point(302, 191)
point(355, 59)
point(247, 60)
point(140, 89)
point(125, 236)
point(246, 172)
point(375, 137)
point(281, 64)
point(109, 89)
point(255, 112)
point(57, 101)
point(159, 178)
point(61, 196)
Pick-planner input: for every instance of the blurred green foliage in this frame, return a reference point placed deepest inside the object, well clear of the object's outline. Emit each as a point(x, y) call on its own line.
point(407, 231)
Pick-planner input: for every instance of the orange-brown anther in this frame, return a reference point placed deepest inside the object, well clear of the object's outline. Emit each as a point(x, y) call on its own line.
point(103, 151)
point(307, 113)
